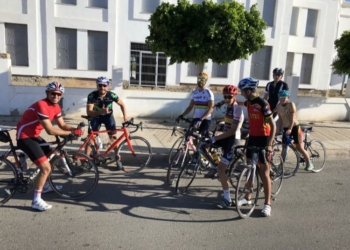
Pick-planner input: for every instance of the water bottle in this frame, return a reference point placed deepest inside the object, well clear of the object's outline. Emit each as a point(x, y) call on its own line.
point(99, 142)
point(22, 161)
point(80, 126)
point(216, 158)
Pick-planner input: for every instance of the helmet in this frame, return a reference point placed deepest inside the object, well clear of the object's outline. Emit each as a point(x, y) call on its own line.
point(55, 86)
point(102, 80)
point(278, 71)
point(230, 89)
point(248, 83)
point(204, 75)
point(283, 93)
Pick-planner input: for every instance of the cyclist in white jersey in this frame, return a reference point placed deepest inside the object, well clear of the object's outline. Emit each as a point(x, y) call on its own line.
point(202, 100)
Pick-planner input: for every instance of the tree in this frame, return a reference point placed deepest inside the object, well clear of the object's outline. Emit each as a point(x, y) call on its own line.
point(198, 32)
point(341, 65)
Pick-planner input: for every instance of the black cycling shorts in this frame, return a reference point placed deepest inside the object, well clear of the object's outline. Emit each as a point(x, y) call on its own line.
point(204, 127)
point(35, 152)
point(258, 141)
point(226, 144)
point(107, 120)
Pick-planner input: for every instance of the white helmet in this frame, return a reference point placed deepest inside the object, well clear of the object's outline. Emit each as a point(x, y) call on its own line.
point(55, 86)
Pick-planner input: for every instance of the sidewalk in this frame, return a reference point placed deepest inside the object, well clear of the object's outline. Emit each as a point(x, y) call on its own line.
point(334, 135)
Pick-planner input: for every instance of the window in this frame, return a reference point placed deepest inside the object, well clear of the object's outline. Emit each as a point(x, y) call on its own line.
point(149, 6)
point(97, 50)
point(73, 2)
point(306, 68)
point(294, 21)
point(289, 65)
point(197, 1)
point(261, 61)
point(16, 39)
point(193, 69)
point(66, 48)
point(219, 70)
point(98, 4)
point(311, 23)
point(268, 11)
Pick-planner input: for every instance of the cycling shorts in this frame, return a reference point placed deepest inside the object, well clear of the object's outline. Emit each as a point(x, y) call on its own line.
point(226, 144)
point(296, 131)
point(35, 152)
point(258, 141)
point(204, 127)
point(107, 120)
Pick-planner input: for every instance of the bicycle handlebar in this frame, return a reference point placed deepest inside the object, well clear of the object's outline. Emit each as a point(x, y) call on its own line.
point(131, 123)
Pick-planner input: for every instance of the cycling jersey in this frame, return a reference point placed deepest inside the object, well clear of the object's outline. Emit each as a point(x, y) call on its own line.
point(99, 102)
point(234, 115)
point(273, 92)
point(29, 125)
point(285, 112)
point(201, 102)
point(258, 110)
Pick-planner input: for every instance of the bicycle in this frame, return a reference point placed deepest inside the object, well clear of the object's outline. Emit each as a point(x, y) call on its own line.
point(249, 183)
point(74, 173)
point(132, 154)
point(315, 149)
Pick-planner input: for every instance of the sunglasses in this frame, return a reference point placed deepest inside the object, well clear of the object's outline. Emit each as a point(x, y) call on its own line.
point(102, 86)
point(228, 96)
point(276, 75)
point(56, 94)
point(201, 80)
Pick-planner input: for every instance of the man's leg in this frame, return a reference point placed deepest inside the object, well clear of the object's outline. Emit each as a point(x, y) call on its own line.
point(95, 126)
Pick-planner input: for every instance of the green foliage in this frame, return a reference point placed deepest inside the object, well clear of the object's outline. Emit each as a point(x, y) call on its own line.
point(197, 32)
point(342, 64)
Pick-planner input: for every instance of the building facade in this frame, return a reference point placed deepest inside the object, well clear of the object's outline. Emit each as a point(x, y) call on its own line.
point(86, 38)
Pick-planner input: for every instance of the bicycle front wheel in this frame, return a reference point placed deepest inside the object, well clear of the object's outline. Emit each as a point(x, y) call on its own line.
point(248, 186)
point(137, 159)
point(290, 158)
point(317, 153)
point(8, 180)
point(276, 176)
point(174, 149)
point(75, 178)
point(175, 166)
point(187, 174)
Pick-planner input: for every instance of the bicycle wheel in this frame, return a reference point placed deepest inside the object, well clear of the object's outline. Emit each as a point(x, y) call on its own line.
point(139, 158)
point(74, 179)
point(248, 184)
point(234, 170)
point(174, 149)
point(8, 180)
point(187, 174)
point(276, 176)
point(174, 168)
point(317, 152)
point(290, 158)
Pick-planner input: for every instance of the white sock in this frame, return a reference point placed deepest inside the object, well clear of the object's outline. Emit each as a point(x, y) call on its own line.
point(37, 196)
point(227, 195)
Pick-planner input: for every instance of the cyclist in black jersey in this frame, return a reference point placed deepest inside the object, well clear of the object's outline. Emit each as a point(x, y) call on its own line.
point(100, 106)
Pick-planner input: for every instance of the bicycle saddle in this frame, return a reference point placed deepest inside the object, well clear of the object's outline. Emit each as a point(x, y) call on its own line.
point(306, 129)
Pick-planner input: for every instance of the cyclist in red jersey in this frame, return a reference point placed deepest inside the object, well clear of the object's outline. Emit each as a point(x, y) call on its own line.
point(262, 130)
point(36, 118)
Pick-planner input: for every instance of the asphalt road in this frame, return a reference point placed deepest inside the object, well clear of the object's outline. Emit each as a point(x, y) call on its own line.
point(142, 212)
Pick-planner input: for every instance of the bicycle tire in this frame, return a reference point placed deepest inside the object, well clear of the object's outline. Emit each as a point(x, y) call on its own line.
point(76, 182)
point(187, 174)
point(245, 211)
point(176, 165)
point(177, 144)
point(8, 180)
point(318, 155)
point(233, 172)
point(133, 163)
point(291, 159)
point(276, 176)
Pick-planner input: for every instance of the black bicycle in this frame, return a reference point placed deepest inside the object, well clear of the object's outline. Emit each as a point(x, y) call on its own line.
point(73, 175)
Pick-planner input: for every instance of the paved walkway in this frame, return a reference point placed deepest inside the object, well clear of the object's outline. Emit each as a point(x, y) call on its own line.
point(334, 135)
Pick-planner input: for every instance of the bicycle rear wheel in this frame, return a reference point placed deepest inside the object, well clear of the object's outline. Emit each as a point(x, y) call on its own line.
point(75, 179)
point(8, 180)
point(317, 152)
point(174, 149)
point(290, 158)
point(187, 174)
point(234, 170)
point(248, 184)
point(276, 176)
point(175, 166)
point(138, 159)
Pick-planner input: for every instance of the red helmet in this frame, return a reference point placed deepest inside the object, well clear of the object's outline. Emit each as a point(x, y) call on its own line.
point(230, 89)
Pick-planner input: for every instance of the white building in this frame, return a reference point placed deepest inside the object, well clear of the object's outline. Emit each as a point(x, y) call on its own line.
point(84, 38)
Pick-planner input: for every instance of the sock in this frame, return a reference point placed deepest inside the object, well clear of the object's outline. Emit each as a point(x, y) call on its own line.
point(37, 196)
point(227, 195)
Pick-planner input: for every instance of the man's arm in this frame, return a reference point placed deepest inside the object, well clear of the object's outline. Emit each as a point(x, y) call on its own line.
point(229, 133)
point(91, 112)
point(266, 96)
point(51, 130)
point(189, 108)
point(272, 124)
point(123, 109)
point(209, 110)
point(62, 125)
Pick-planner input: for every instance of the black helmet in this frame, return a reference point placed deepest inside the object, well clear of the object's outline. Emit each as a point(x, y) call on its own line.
point(278, 71)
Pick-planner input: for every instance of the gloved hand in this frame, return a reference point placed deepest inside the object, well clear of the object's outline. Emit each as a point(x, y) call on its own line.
point(179, 118)
point(198, 124)
point(77, 132)
point(212, 139)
